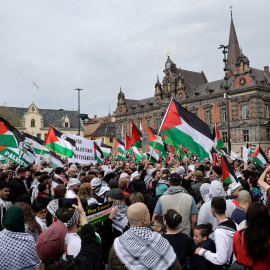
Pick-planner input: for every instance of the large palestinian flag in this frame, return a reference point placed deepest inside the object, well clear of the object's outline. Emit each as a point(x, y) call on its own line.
point(227, 171)
point(98, 153)
point(153, 138)
point(218, 140)
point(9, 135)
point(59, 143)
point(136, 137)
point(187, 129)
point(36, 144)
point(259, 157)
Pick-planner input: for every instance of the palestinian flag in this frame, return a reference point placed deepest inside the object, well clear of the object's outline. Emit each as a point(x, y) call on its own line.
point(136, 137)
point(98, 153)
point(13, 154)
point(106, 151)
point(136, 154)
point(128, 145)
point(187, 129)
point(259, 157)
point(154, 157)
point(9, 135)
point(56, 161)
point(218, 140)
point(119, 147)
point(227, 171)
point(36, 144)
point(214, 156)
point(59, 143)
point(153, 137)
point(121, 156)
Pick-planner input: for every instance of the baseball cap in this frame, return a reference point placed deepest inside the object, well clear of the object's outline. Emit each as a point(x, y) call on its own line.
point(116, 194)
point(50, 243)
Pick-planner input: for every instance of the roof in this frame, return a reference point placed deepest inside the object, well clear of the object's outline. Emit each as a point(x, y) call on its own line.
point(135, 104)
point(105, 129)
point(90, 129)
point(51, 117)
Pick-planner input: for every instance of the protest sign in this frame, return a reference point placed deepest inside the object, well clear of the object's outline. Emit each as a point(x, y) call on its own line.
point(84, 153)
point(98, 213)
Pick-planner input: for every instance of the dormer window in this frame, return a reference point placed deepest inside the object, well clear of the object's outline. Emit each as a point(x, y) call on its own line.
point(66, 124)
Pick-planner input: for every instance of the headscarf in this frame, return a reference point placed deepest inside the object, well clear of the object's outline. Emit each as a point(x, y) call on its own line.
point(232, 188)
point(13, 219)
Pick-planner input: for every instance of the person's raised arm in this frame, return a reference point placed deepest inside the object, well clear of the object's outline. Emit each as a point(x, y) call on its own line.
point(261, 182)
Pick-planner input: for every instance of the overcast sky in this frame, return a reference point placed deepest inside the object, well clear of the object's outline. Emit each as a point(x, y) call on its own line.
point(102, 45)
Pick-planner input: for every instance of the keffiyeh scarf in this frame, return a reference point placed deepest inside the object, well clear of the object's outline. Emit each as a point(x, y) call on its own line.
point(175, 189)
point(120, 221)
point(18, 251)
point(141, 249)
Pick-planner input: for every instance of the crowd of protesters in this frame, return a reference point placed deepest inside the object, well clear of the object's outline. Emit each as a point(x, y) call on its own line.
point(175, 215)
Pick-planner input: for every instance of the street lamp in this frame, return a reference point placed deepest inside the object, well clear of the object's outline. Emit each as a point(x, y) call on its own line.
point(79, 120)
point(226, 78)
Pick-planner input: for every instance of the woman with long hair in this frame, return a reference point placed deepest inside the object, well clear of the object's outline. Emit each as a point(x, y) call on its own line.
point(59, 193)
point(251, 246)
point(85, 192)
point(30, 223)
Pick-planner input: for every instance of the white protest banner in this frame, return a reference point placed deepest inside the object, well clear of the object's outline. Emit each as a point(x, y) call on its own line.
point(245, 154)
point(84, 153)
point(97, 214)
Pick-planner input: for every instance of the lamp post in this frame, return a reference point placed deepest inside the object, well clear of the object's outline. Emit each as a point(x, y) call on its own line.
point(79, 120)
point(226, 78)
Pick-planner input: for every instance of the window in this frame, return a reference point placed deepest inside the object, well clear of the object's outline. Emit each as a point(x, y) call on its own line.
point(267, 111)
point(246, 135)
point(66, 124)
point(148, 122)
point(39, 135)
point(207, 116)
point(225, 137)
point(33, 123)
point(102, 140)
point(268, 134)
point(244, 110)
point(223, 115)
point(45, 135)
point(111, 140)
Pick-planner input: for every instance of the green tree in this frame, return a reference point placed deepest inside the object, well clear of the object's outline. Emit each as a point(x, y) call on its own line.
point(11, 116)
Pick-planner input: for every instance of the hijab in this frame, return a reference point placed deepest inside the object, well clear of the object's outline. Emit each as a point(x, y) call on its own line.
point(13, 219)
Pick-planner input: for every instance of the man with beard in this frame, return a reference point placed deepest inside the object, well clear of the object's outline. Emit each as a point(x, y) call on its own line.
point(73, 188)
point(4, 192)
point(18, 186)
point(116, 224)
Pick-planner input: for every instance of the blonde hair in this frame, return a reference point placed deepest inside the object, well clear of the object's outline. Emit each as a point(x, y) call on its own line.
point(85, 191)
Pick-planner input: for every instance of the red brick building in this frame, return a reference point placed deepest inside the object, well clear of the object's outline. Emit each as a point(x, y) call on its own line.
point(249, 103)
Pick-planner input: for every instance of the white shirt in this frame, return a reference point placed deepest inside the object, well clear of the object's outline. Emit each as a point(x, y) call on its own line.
point(42, 223)
point(70, 194)
point(73, 242)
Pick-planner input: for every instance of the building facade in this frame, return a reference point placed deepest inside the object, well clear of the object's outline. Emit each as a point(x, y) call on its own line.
point(249, 100)
point(36, 122)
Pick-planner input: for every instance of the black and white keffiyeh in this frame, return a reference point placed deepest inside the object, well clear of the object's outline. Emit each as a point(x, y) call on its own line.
point(18, 251)
point(120, 221)
point(175, 189)
point(141, 249)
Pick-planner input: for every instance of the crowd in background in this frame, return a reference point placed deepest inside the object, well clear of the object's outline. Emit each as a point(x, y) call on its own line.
point(176, 215)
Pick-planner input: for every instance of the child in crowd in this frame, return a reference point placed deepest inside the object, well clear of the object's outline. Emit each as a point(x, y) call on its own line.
point(201, 239)
point(41, 214)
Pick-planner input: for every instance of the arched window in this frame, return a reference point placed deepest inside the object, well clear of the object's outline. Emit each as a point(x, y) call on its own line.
point(33, 123)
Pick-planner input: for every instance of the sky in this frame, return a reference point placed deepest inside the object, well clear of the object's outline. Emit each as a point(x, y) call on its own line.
point(100, 46)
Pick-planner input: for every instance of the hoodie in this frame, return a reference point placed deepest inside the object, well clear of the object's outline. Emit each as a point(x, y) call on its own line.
point(205, 214)
point(224, 246)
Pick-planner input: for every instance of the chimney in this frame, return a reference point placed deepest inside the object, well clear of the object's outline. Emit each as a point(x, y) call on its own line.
point(266, 69)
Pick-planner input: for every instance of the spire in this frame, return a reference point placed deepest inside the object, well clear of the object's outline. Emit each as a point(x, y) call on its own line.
point(234, 49)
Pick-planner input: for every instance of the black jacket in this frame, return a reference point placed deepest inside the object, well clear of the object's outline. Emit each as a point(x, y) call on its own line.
point(17, 188)
point(89, 257)
point(200, 263)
